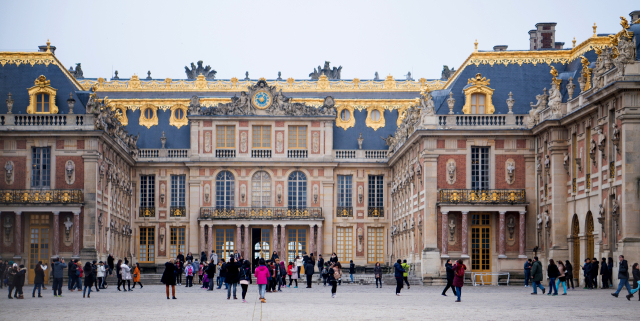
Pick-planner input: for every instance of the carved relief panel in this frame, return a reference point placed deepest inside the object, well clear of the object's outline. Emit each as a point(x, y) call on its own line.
point(315, 142)
point(510, 171)
point(9, 172)
point(451, 171)
point(244, 141)
point(207, 141)
point(279, 142)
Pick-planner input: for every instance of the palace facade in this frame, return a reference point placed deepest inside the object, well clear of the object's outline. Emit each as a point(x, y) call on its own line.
point(516, 153)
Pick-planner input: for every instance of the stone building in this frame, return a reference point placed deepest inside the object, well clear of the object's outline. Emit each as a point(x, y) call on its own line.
point(505, 159)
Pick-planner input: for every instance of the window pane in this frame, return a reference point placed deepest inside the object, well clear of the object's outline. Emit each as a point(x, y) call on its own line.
point(481, 98)
point(474, 99)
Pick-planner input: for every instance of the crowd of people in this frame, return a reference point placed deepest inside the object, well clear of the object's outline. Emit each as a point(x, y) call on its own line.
point(271, 275)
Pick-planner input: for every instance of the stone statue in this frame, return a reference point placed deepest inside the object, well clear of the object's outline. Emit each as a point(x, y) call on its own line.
point(194, 72)
point(626, 53)
point(279, 76)
point(451, 172)
point(77, 74)
point(546, 219)
point(149, 75)
point(246, 75)
point(511, 225)
point(602, 140)
point(452, 229)
point(601, 213)
point(194, 105)
point(570, 87)
point(116, 76)
point(614, 208)
point(360, 141)
point(376, 76)
point(408, 76)
point(534, 113)
point(539, 221)
point(8, 227)
point(615, 137)
point(427, 106)
point(67, 227)
point(332, 74)
point(555, 99)
point(547, 162)
point(592, 150)
point(511, 168)
point(69, 170)
point(446, 73)
point(8, 172)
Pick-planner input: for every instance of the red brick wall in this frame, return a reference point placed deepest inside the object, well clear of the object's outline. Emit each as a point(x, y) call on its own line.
point(61, 182)
point(19, 172)
point(207, 123)
point(21, 144)
point(59, 144)
point(462, 144)
point(243, 123)
point(520, 173)
point(80, 144)
point(521, 143)
point(499, 143)
point(440, 143)
point(461, 171)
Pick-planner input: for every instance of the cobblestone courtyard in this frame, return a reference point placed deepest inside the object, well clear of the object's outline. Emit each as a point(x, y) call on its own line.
point(354, 302)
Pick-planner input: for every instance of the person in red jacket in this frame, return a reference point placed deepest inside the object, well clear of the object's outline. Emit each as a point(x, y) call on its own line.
point(458, 279)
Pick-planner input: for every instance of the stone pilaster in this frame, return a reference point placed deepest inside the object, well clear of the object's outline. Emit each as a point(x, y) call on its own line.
point(56, 234)
point(211, 240)
point(319, 245)
point(465, 235)
point(17, 234)
point(312, 245)
point(76, 234)
point(522, 240)
point(558, 214)
point(430, 254)
point(501, 236)
point(283, 242)
point(445, 241)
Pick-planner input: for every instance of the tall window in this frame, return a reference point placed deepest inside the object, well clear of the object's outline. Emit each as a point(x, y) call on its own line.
point(297, 137)
point(178, 237)
point(177, 190)
point(479, 168)
point(261, 137)
point(375, 245)
point(224, 243)
point(261, 189)
point(147, 248)
point(297, 190)
point(41, 173)
point(147, 191)
point(225, 136)
point(375, 190)
point(224, 190)
point(344, 244)
point(297, 243)
point(477, 103)
point(42, 103)
point(344, 190)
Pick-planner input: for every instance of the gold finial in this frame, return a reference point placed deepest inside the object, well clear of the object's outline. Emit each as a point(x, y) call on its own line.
point(476, 46)
point(48, 45)
point(574, 42)
point(594, 29)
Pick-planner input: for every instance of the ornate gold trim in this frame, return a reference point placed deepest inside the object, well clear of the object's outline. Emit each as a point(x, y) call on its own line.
point(479, 85)
point(348, 123)
point(174, 121)
point(42, 86)
point(153, 121)
point(375, 124)
point(122, 113)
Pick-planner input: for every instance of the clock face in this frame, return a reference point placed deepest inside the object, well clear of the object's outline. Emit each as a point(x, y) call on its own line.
point(262, 100)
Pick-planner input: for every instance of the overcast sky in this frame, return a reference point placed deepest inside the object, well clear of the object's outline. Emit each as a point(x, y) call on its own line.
point(264, 37)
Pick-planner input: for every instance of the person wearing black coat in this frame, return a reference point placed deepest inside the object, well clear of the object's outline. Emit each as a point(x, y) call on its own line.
point(72, 273)
point(569, 273)
point(610, 267)
point(88, 278)
point(38, 279)
point(552, 273)
point(595, 267)
point(203, 256)
point(308, 270)
point(3, 267)
point(169, 278)
point(587, 274)
point(19, 281)
point(398, 273)
point(12, 270)
point(623, 276)
point(604, 271)
point(352, 270)
point(450, 275)
point(233, 277)
point(211, 274)
point(635, 271)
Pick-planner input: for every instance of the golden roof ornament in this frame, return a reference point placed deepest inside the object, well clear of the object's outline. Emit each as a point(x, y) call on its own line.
point(476, 45)
point(478, 80)
point(555, 79)
point(574, 42)
point(42, 81)
point(594, 29)
point(624, 23)
point(48, 46)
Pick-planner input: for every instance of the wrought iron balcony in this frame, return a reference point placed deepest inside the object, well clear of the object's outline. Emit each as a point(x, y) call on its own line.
point(147, 211)
point(375, 212)
point(344, 211)
point(208, 213)
point(38, 196)
point(488, 196)
point(178, 211)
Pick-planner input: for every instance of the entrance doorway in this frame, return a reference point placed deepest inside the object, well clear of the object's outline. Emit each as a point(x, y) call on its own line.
point(590, 238)
point(575, 231)
point(260, 243)
point(481, 245)
point(38, 244)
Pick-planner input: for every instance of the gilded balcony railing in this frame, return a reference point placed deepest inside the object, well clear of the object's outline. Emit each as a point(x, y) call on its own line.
point(375, 212)
point(489, 196)
point(178, 211)
point(344, 211)
point(147, 212)
point(38, 196)
point(260, 212)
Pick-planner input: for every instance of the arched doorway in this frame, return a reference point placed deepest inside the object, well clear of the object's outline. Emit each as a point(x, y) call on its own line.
point(590, 240)
point(575, 230)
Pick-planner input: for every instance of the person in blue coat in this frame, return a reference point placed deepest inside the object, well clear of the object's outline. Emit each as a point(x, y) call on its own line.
point(398, 272)
point(527, 272)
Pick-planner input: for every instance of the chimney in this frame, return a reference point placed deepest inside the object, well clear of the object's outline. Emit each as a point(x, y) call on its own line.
point(500, 48)
point(545, 36)
point(559, 45)
point(44, 49)
point(635, 15)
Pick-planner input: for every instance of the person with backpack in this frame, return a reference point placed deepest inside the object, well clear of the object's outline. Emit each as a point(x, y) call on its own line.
point(458, 279)
point(335, 273)
point(245, 278)
point(405, 275)
point(188, 273)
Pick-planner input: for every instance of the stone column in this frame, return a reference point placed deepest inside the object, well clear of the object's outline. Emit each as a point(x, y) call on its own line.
point(1, 239)
point(274, 240)
point(522, 240)
point(501, 237)
point(283, 242)
point(465, 234)
point(56, 234)
point(17, 234)
point(211, 239)
point(445, 241)
point(247, 242)
point(201, 239)
point(76, 234)
point(238, 245)
point(312, 232)
point(319, 245)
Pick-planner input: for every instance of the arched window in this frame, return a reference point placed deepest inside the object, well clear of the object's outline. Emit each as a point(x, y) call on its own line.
point(261, 189)
point(345, 115)
point(297, 190)
point(575, 232)
point(375, 115)
point(477, 103)
point(224, 190)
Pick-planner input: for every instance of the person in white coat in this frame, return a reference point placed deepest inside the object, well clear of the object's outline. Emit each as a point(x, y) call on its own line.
point(100, 275)
point(214, 258)
point(126, 275)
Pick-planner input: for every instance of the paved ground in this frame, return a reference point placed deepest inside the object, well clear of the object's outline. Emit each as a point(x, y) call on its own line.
point(354, 302)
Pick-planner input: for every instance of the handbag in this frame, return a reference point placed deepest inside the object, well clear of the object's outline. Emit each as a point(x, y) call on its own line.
point(244, 282)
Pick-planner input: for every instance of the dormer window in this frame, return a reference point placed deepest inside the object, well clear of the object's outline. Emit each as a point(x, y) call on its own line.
point(345, 115)
point(477, 103)
point(42, 103)
point(375, 115)
point(148, 116)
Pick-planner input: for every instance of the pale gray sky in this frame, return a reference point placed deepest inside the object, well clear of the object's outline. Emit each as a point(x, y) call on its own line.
point(264, 37)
